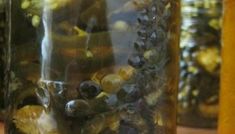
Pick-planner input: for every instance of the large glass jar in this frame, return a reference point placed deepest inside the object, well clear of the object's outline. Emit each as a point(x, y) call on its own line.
point(199, 63)
point(93, 67)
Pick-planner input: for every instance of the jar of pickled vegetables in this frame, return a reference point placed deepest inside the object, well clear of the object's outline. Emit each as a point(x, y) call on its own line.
point(199, 63)
point(2, 46)
point(93, 66)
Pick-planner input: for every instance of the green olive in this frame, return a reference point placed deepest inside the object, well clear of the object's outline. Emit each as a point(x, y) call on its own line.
point(111, 83)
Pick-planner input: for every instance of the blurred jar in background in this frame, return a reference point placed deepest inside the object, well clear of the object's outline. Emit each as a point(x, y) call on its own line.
point(200, 63)
point(2, 43)
point(227, 94)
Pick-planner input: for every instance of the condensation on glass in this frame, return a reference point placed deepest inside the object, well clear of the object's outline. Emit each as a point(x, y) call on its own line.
point(200, 63)
point(93, 66)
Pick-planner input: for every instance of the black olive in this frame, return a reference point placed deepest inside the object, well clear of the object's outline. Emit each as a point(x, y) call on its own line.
point(89, 89)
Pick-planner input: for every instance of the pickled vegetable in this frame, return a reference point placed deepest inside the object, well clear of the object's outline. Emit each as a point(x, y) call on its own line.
point(34, 120)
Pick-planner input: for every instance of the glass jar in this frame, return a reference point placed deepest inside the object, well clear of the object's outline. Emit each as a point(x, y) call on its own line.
point(199, 63)
point(227, 92)
point(93, 66)
point(2, 45)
